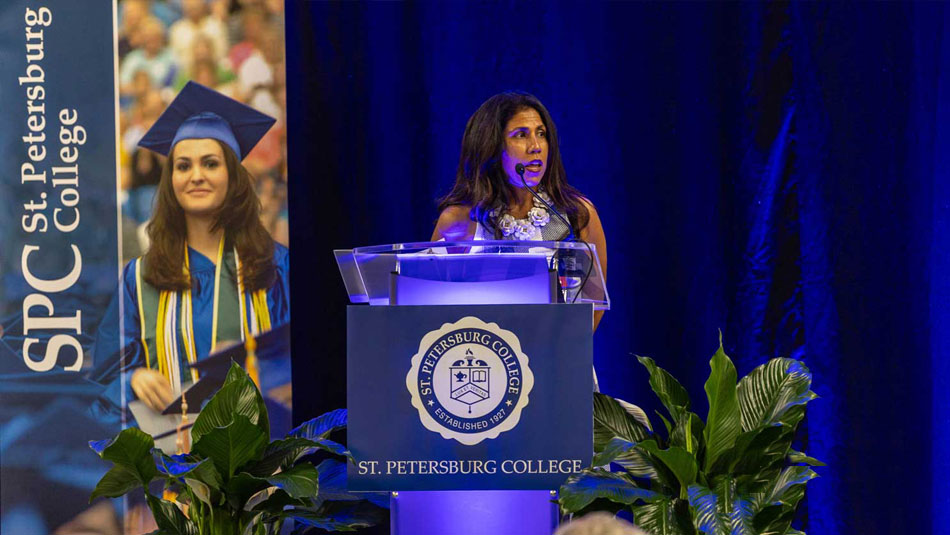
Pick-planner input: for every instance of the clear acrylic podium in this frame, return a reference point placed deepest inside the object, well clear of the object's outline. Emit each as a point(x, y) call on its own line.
point(473, 272)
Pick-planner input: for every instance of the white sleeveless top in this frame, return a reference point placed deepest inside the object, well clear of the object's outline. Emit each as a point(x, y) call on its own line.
point(482, 234)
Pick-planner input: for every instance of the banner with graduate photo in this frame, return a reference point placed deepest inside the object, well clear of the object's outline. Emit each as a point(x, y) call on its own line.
point(59, 262)
point(87, 329)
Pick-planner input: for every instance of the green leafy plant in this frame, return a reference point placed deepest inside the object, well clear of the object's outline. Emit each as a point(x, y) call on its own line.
point(236, 481)
point(736, 473)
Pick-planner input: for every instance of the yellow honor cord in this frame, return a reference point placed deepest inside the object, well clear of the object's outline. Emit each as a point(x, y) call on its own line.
point(261, 310)
point(250, 344)
point(217, 292)
point(187, 321)
point(138, 298)
point(187, 338)
point(250, 362)
point(160, 334)
point(242, 299)
point(258, 310)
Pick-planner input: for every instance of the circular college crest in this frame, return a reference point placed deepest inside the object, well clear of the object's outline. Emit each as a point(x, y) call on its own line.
point(469, 380)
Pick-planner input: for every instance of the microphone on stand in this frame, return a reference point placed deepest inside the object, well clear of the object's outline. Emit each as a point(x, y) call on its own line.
point(566, 258)
point(519, 168)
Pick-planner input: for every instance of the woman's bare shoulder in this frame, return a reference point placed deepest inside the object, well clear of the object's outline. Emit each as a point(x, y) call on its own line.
point(455, 223)
point(587, 203)
point(456, 212)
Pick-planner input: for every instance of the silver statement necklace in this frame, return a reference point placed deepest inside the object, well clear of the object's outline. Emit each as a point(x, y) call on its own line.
point(524, 229)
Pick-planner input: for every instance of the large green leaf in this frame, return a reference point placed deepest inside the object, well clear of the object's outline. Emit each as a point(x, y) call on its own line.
point(773, 520)
point(278, 452)
point(721, 511)
point(321, 426)
point(238, 397)
point(789, 487)
point(768, 393)
point(177, 466)
point(333, 483)
point(678, 460)
point(285, 452)
point(224, 522)
point(201, 490)
point(338, 516)
point(666, 423)
point(242, 487)
point(687, 433)
point(169, 518)
point(232, 446)
point(611, 421)
point(198, 474)
point(801, 458)
point(130, 452)
point(118, 481)
point(666, 516)
point(208, 474)
point(765, 453)
point(307, 447)
point(301, 481)
point(667, 388)
point(252, 524)
point(332, 486)
point(132, 447)
point(615, 448)
point(753, 452)
point(722, 425)
point(584, 487)
point(278, 501)
point(638, 413)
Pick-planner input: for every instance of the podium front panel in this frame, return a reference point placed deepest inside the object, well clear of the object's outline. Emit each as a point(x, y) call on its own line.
point(466, 397)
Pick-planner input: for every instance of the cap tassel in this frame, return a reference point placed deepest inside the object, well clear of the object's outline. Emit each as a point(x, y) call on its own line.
point(183, 435)
point(250, 363)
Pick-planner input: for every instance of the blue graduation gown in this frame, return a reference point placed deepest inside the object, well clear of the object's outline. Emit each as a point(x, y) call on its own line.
point(116, 352)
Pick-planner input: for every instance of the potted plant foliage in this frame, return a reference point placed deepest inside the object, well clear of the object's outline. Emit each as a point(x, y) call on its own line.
point(734, 473)
point(235, 481)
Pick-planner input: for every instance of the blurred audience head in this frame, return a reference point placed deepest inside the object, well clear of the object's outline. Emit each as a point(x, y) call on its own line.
point(599, 524)
point(244, 4)
point(152, 105)
point(194, 10)
point(205, 72)
point(253, 22)
point(153, 36)
point(202, 48)
point(133, 13)
point(272, 45)
point(275, 7)
point(141, 83)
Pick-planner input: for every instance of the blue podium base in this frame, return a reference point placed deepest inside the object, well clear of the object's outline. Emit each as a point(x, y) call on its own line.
point(473, 512)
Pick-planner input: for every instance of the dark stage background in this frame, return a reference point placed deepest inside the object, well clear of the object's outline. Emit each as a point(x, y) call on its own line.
point(776, 171)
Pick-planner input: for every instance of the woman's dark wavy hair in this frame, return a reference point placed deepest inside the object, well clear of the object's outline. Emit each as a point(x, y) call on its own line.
point(481, 182)
point(239, 216)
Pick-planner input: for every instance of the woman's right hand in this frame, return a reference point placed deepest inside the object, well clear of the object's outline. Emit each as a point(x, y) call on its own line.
point(152, 388)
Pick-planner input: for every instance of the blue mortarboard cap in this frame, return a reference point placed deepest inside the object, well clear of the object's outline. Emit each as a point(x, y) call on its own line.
point(199, 112)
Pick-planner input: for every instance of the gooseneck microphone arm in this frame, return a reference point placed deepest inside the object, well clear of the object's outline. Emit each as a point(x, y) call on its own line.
point(519, 168)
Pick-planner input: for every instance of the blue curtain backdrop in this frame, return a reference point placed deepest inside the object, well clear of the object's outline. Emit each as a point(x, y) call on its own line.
point(776, 171)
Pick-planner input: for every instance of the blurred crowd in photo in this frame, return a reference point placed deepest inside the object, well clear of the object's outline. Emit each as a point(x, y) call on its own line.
point(233, 46)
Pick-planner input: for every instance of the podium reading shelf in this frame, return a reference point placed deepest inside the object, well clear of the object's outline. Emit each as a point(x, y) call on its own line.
point(469, 394)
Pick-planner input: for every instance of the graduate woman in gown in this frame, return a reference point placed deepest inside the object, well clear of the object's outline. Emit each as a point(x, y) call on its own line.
point(490, 201)
point(212, 273)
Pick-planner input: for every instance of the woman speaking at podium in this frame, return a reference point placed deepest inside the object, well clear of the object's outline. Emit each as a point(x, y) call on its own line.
point(509, 178)
point(212, 273)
